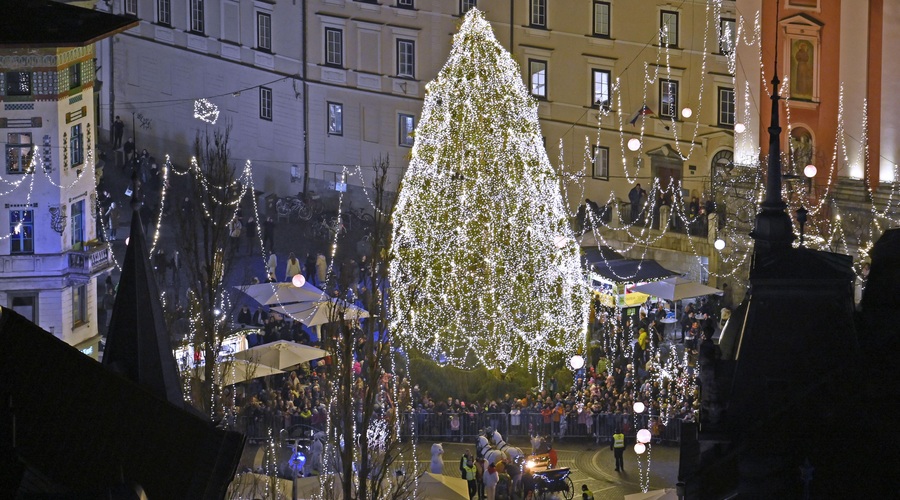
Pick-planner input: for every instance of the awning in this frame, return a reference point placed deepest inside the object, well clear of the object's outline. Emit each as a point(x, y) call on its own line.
point(631, 270)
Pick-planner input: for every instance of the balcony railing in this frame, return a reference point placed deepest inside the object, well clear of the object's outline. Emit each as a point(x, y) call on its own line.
point(91, 260)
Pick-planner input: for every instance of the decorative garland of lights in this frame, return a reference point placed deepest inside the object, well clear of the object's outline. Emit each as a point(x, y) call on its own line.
point(485, 269)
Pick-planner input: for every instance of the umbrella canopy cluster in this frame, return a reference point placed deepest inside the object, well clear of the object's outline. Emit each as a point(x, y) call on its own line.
point(306, 304)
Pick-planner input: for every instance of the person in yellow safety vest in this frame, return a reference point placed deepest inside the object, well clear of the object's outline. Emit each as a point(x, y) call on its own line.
point(618, 448)
point(586, 494)
point(468, 471)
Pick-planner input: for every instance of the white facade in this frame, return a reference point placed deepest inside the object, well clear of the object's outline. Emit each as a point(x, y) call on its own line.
point(49, 256)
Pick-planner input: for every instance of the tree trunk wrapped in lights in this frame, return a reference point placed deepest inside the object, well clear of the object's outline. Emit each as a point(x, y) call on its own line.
point(485, 268)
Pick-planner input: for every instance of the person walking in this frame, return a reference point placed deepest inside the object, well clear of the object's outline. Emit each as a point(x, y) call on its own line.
point(468, 473)
point(236, 228)
point(292, 268)
point(321, 269)
point(271, 264)
point(129, 150)
point(635, 197)
point(618, 447)
point(269, 234)
point(118, 130)
point(586, 494)
point(491, 477)
point(112, 219)
point(251, 235)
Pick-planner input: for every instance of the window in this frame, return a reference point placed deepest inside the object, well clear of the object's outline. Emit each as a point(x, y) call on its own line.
point(164, 12)
point(668, 28)
point(25, 304)
point(600, 163)
point(18, 83)
point(668, 99)
point(600, 93)
point(406, 58)
point(131, 7)
point(76, 145)
point(405, 4)
point(21, 231)
point(537, 71)
point(75, 76)
point(197, 14)
point(334, 47)
point(601, 18)
point(407, 126)
point(264, 31)
point(467, 5)
point(726, 107)
point(265, 103)
point(77, 224)
point(19, 152)
point(727, 36)
point(79, 305)
point(538, 13)
point(335, 118)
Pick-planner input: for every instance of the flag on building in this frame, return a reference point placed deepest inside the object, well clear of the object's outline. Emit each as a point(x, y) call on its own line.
point(645, 110)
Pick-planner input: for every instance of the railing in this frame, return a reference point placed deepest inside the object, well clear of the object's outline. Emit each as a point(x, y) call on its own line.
point(464, 427)
point(91, 260)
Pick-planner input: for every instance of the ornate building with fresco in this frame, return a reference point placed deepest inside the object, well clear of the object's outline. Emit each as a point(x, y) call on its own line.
point(50, 257)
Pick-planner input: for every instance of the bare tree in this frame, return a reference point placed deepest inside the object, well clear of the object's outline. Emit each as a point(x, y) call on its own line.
point(365, 412)
point(204, 216)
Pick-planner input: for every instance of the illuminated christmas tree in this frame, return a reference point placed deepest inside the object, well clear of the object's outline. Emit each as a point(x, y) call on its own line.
point(484, 269)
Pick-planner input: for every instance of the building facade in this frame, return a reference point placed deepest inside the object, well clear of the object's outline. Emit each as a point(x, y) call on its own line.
point(50, 257)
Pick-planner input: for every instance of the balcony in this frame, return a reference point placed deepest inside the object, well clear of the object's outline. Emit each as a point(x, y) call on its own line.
point(94, 259)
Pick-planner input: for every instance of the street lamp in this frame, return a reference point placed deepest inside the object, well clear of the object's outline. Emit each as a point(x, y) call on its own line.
point(576, 362)
point(634, 144)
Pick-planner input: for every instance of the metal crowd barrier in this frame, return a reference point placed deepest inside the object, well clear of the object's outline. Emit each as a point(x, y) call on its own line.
point(465, 427)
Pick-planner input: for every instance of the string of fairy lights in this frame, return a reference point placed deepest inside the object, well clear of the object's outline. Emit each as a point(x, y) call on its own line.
point(518, 234)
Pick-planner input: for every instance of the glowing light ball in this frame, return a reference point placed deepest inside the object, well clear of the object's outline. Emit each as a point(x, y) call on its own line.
point(739, 127)
point(639, 407)
point(298, 280)
point(634, 144)
point(643, 436)
point(687, 112)
point(810, 171)
point(719, 244)
point(576, 362)
point(640, 448)
point(127, 240)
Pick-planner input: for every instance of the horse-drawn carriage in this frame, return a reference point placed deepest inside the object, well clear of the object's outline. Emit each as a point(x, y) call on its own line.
point(542, 476)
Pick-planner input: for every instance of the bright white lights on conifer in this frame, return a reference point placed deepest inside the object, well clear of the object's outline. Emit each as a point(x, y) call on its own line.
point(480, 274)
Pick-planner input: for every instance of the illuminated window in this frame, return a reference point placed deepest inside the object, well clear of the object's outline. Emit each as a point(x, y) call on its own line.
point(335, 118)
point(19, 153)
point(21, 231)
point(537, 71)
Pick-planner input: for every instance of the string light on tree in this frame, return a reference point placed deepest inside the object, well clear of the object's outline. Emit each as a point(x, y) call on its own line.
point(480, 274)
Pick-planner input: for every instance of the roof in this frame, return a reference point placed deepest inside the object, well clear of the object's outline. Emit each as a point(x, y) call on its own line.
point(82, 431)
point(44, 23)
point(137, 343)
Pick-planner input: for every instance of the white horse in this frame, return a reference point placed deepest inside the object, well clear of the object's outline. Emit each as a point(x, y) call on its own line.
point(437, 463)
point(484, 449)
point(512, 452)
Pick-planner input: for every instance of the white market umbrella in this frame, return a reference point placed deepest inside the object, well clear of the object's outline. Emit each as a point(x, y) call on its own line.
point(280, 354)
point(319, 313)
point(676, 289)
point(283, 293)
point(235, 371)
